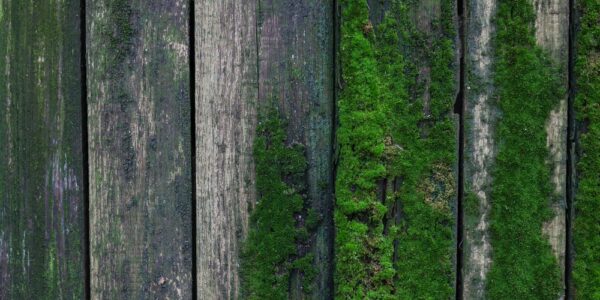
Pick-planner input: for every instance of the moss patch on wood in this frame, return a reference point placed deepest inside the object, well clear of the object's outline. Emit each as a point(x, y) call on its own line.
point(528, 88)
point(394, 220)
point(281, 224)
point(586, 225)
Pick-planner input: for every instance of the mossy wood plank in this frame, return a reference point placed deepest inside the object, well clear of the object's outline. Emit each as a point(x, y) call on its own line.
point(41, 178)
point(139, 149)
point(296, 78)
point(586, 228)
point(396, 185)
point(266, 63)
point(515, 126)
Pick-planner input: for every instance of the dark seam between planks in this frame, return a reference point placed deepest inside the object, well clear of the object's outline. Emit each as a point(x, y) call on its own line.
point(192, 99)
point(85, 150)
point(459, 109)
point(571, 140)
point(334, 125)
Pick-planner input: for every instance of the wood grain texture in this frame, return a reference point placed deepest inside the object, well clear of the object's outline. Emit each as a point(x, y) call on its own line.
point(139, 149)
point(41, 178)
point(226, 94)
point(480, 148)
point(295, 55)
point(291, 51)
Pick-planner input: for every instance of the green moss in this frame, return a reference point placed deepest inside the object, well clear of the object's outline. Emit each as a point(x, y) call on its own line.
point(528, 88)
point(586, 226)
point(390, 146)
point(280, 228)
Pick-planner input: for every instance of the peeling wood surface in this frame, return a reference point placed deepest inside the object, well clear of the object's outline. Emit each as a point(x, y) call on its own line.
point(139, 149)
point(226, 95)
point(41, 178)
point(295, 55)
point(480, 148)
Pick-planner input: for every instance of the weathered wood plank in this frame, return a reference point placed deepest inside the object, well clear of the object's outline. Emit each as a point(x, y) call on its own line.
point(139, 149)
point(226, 94)
point(41, 179)
point(292, 50)
point(552, 35)
point(480, 148)
point(295, 54)
point(516, 149)
point(396, 185)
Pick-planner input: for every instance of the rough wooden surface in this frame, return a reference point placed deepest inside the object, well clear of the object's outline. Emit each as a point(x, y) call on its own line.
point(41, 178)
point(226, 93)
point(139, 149)
point(295, 55)
point(480, 147)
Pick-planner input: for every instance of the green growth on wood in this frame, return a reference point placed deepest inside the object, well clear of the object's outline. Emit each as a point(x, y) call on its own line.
point(395, 183)
point(281, 225)
point(528, 88)
point(586, 228)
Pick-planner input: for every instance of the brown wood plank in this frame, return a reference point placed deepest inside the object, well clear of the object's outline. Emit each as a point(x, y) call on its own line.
point(139, 149)
point(41, 178)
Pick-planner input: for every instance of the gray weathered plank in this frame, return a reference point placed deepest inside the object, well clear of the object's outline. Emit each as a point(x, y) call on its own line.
point(295, 54)
point(241, 68)
point(41, 178)
point(139, 149)
point(226, 93)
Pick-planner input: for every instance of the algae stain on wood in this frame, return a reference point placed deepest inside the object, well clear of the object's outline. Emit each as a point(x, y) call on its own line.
point(139, 149)
point(41, 204)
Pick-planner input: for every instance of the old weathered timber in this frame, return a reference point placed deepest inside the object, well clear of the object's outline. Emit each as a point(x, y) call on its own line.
point(226, 94)
point(396, 185)
point(515, 149)
point(139, 149)
point(295, 55)
point(255, 56)
point(41, 179)
point(552, 35)
point(480, 146)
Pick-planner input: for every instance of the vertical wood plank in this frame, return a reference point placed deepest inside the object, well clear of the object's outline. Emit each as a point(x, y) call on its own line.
point(480, 148)
point(291, 51)
point(552, 35)
point(139, 149)
point(226, 94)
point(516, 149)
point(41, 179)
point(295, 55)
point(586, 160)
point(396, 186)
